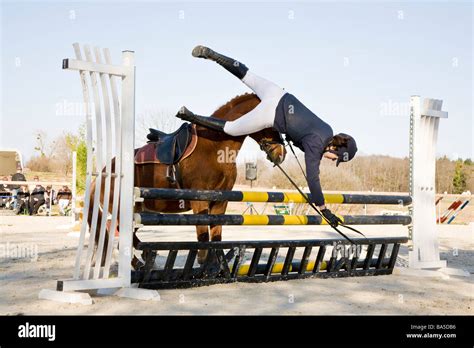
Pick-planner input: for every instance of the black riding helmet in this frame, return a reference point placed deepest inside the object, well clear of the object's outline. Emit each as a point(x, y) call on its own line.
point(345, 152)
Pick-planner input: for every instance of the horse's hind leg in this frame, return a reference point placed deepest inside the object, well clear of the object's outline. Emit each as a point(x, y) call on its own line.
point(215, 236)
point(136, 262)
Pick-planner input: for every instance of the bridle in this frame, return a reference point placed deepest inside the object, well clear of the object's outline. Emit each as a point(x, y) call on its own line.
point(267, 146)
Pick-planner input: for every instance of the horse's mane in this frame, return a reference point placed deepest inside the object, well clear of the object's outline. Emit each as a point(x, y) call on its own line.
point(223, 112)
point(224, 109)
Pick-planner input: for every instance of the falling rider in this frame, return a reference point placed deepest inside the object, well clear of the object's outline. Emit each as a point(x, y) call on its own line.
point(284, 112)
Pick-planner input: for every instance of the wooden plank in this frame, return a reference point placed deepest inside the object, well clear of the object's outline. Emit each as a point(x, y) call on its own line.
point(355, 258)
point(128, 166)
point(271, 261)
point(117, 165)
point(100, 163)
point(393, 256)
point(149, 263)
point(89, 166)
point(170, 260)
point(107, 134)
point(368, 257)
point(81, 65)
point(319, 258)
point(304, 260)
point(188, 266)
point(254, 263)
point(239, 258)
point(223, 262)
point(288, 259)
point(379, 263)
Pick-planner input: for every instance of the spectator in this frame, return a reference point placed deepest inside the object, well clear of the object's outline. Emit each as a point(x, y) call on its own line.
point(31, 187)
point(49, 196)
point(18, 176)
point(5, 187)
point(37, 198)
point(23, 196)
point(63, 197)
point(5, 193)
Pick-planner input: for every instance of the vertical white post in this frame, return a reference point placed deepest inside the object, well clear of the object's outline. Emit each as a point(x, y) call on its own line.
point(127, 180)
point(424, 122)
point(123, 175)
point(50, 201)
point(73, 187)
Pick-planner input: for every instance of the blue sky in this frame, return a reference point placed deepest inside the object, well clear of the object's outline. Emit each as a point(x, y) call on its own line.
point(349, 62)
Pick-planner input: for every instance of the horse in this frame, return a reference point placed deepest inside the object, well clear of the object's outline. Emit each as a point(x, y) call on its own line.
point(212, 146)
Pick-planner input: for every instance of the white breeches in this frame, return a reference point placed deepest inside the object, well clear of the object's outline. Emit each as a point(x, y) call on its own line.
point(263, 115)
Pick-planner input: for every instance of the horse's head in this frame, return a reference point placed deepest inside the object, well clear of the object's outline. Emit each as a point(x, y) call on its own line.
point(269, 139)
point(271, 143)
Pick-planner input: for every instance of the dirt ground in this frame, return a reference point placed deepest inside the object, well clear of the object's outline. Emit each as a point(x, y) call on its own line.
point(37, 251)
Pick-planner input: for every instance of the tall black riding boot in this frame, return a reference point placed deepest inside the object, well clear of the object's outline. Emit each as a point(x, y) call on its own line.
point(209, 122)
point(231, 65)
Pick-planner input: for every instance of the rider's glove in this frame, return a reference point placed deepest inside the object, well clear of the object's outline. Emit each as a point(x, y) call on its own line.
point(333, 220)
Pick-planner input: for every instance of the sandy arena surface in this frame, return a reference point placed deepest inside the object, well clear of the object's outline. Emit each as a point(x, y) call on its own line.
point(22, 278)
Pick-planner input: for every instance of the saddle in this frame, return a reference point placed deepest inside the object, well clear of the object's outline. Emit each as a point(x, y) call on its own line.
point(171, 146)
point(168, 149)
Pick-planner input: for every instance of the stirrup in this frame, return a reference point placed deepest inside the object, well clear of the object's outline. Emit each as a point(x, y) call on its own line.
point(171, 174)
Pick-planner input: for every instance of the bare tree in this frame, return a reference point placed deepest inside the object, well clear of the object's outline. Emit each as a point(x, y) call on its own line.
point(157, 119)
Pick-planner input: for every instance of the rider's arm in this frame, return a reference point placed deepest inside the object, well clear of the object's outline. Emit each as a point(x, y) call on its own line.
point(312, 156)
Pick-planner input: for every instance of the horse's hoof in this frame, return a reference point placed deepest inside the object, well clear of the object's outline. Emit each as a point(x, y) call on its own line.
point(137, 264)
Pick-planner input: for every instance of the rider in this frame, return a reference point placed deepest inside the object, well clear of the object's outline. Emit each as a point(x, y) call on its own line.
point(285, 113)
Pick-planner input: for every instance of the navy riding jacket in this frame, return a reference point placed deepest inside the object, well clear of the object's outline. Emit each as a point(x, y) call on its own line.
point(309, 133)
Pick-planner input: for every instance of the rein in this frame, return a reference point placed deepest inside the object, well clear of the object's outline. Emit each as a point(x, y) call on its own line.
point(264, 148)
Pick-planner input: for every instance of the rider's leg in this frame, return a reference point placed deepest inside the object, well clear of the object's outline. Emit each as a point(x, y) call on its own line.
point(262, 87)
point(261, 117)
point(209, 122)
point(231, 65)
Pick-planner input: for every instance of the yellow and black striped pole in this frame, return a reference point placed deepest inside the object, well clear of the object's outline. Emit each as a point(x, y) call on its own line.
point(274, 197)
point(151, 219)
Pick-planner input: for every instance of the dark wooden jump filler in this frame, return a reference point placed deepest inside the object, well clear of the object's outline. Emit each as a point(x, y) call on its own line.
point(268, 260)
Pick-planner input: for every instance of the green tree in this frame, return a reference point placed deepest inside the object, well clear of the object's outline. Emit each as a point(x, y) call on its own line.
point(459, 178)
point(78, 143)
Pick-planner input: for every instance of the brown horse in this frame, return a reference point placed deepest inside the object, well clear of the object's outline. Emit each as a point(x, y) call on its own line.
point(210, 166)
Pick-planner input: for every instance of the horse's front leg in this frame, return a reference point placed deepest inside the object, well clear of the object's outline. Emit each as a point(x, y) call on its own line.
point(216, 230)
point(201, 207)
